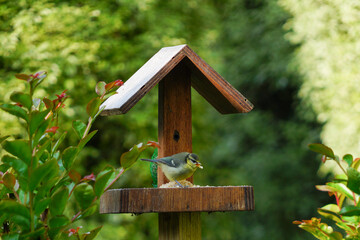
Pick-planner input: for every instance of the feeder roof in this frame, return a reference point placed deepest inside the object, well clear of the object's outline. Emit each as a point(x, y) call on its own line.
point(204, 79)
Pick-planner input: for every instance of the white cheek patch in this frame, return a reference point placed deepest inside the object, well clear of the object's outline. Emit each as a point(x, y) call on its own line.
point(172, 161)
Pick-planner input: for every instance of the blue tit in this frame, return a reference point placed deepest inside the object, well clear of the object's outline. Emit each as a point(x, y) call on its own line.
point(178, 166)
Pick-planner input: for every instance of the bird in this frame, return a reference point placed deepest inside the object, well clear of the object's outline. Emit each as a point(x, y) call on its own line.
point(178, 166)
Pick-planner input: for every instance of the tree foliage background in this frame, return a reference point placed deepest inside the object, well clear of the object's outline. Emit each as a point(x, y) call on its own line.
point(295, 61)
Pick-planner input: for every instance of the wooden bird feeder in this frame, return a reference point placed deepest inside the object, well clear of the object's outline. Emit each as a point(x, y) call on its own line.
point(176, 69)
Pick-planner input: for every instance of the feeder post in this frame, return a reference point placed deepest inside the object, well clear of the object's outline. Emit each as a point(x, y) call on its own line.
point(175, 135)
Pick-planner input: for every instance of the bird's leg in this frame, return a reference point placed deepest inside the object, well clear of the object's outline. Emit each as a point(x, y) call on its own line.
point(179, 184)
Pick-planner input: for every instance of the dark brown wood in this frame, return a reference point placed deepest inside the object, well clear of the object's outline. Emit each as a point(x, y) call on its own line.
point(174, 128)
point(175, 135)
point(165, 200)
point(218, 92)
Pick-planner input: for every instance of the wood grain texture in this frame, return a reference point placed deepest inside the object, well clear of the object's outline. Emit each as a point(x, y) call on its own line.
point(174, 127)
point(166, 200)
point(216, 90)
point(175, 135)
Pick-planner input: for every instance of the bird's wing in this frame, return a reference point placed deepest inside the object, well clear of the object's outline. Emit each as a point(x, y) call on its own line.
point(169, 161)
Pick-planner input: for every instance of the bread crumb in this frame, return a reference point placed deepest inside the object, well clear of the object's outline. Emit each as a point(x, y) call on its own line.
point(173, 184)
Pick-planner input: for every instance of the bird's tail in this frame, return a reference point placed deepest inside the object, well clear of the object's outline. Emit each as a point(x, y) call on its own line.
point(149, 160)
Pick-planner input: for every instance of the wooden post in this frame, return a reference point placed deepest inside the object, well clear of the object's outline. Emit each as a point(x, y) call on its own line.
point(175, 135)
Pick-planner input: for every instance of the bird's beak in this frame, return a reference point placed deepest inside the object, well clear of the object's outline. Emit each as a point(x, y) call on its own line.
point(199, 165)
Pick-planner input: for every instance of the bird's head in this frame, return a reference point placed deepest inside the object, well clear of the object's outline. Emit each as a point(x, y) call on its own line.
point(193, 161)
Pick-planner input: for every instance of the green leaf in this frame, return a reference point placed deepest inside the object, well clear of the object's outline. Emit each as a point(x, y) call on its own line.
point(92, 234)
point(39, 134)
point(35, 234)
point(79, 127)
point(330, 211)
point(69, 156)
point(86, 139)
point(100, 88)
point(37, 118)
point(43, 147)
point(3, 138)
point(350, 211)
point(322, 149)
point(9, 180)
point(12, 236)
point(20, 149)
point(58, 142)
point(101, 181)
point(22, 98)
point(341, 188)
point(58, 201)
point(41, 171)
point(14, 208)
point(348, 158)
point(127, 159)
point(84, 195)
point(19, 166)
point(41, 205)
point(15, 110)
point(93, 106)
point(353, 180)
point(58, 221)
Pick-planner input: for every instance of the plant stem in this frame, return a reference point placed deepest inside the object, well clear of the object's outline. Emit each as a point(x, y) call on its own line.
point(338, 162)
point(116, 178)
point(90, 121)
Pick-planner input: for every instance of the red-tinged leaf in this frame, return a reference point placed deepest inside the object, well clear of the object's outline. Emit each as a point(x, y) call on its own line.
point(48, 103)
point(9, 180)
point(90, 177)
point(322, 149)
point(153, 144)
point(52, 129)
point(111, 85)
point(93, 106)
point(22, 76)
point(73, 231)
point(100, 88)
point(297, 222)
point(62, 95)
point(39, 75)
point(75, 176)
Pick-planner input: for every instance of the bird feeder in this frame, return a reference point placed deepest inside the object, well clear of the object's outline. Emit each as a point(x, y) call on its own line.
point(176, 69)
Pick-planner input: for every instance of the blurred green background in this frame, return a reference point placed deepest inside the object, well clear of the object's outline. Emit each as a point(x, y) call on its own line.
point(296, 61)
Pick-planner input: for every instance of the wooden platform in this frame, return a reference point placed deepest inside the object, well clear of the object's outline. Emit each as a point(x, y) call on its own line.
point(193, 199)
